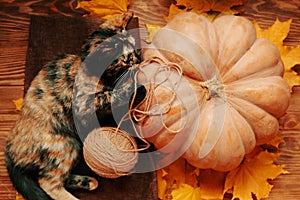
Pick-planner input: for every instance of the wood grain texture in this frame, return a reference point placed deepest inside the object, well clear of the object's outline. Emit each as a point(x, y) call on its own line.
point(265, 12)
point(14, 34)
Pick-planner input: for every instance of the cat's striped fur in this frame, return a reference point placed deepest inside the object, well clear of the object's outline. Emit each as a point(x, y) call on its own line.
point(44, 145)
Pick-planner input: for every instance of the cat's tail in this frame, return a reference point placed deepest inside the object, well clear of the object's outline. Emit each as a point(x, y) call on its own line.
point(24, 181)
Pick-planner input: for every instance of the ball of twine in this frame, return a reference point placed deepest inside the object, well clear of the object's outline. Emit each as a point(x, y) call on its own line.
point(110, 152)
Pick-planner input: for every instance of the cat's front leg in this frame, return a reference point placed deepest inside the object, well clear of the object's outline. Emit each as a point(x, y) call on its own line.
point(52, 183)
point(57, 193)
point(57, 157)
point(72, 182)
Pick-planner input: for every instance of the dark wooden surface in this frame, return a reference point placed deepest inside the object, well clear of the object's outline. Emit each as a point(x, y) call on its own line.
point(14, 34)
point(44, 33)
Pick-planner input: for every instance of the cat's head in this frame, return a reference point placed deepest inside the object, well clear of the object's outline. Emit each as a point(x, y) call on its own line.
point(126, 95)
point(118, 23)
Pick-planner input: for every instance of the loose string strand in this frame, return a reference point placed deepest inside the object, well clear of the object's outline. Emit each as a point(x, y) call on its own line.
point(138, 115)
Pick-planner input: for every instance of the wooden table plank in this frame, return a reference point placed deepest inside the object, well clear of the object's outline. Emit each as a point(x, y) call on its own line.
point(265, 12)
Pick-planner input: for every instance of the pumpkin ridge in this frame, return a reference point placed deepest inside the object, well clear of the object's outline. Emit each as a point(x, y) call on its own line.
point(187, 56)
point(221, 43)
point(248, 66)
point(263, 92)
point(218, 105)
point(229, 140)
point(246, 123)
point(236, 65)
point(263, 124)
point(233, 30)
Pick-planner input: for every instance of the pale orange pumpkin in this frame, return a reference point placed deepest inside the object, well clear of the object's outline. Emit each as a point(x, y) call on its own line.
point(236, 81)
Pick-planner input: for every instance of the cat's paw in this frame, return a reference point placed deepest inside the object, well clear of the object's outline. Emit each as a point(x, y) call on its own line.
point(81, 182)
point(93, 184)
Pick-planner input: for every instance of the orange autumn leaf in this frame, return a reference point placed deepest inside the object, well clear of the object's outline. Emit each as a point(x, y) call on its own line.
point(176, 171)
point(273, 144)
point(174, 176)
point(252, 175)
point(211, 187)
point(203, 6)
point(276, 141)
point(186, 192)
point(174, 10)
point(290, 54)
point(211, 184)
point(181, 180)
point(18, 103)
point(104, 9)
point(162, 183)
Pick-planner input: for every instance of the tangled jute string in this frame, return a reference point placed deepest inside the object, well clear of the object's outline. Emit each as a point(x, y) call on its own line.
point(111, 152)
point(138, 115)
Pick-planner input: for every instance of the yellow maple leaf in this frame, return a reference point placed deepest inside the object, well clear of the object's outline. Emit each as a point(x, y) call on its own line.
point(252, 175)
point(174, 175)
point(104, 9)
point(176, 171)
point(212, 16)
point(174, 10)
point(272, 145)
point(203, 6)
point(152, 29)
point(276, 141)
point(291, 78)
point(179, 178)
point(289, 55)
point(186, 192)
point(162, 183)
point(18, 103)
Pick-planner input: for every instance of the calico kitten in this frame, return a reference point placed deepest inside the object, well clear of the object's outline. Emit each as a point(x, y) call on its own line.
point(44, 145)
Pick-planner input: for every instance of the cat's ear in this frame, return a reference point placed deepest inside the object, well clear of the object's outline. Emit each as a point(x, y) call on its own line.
point(119, 22)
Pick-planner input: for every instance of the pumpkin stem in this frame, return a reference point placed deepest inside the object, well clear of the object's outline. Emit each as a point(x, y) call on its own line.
point(213, 87)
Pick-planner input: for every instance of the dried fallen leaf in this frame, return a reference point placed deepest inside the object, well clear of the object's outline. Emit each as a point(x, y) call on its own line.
point(152, 29)
point(18, 103)
point(213, 15)
point(104, 9)
point(273, 144)
point(174, 176)
point(276, 141)
point(174, 10)
point(211, 184)
point(252, 175)
point(180, 179)
point(292, 78)
point(203, 6)
point(186, 192)
point(162, 183)
point(290, 55)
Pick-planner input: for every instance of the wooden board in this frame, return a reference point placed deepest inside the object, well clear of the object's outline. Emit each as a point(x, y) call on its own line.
point(14, 34)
